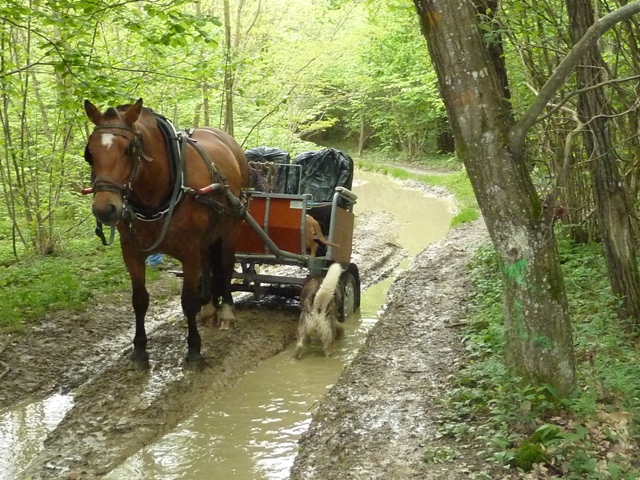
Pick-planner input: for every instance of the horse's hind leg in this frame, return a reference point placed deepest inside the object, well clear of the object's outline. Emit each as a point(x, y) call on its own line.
point(224, 274)
point(190, 306)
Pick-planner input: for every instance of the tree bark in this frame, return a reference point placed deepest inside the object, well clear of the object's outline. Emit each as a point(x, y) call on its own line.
point(495, 47)
point(539, 340)
point(228, 72)
point(611, 204)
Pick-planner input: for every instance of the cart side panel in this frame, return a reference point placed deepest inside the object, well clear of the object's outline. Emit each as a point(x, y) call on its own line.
point(342, 234)
point(248, 240)
point(280, 218)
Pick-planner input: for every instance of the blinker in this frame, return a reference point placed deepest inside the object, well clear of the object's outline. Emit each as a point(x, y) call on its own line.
point(87, 155)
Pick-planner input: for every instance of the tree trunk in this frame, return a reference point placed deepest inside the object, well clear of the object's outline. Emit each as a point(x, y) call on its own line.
point(228, 72)
point(611, 204)
point(539, 341)
point(444, 141)
point(495, 47)
point(205, 104)
point(363, 132)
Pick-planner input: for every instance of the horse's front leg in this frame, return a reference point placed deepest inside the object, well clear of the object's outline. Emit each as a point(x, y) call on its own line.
point(190, 306)
point(134, 262)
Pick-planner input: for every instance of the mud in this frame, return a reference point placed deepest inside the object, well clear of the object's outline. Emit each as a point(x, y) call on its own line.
point(379, 419)
point(374, 423)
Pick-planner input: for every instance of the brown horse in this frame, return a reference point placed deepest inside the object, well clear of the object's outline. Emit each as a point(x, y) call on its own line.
point(172, 193)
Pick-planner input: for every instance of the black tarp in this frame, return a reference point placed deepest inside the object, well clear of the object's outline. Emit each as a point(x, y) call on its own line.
point(267, 154)
point(322, 172)
point(267, 169)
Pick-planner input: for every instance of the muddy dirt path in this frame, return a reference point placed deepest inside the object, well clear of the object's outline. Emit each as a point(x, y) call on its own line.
point(116, 409)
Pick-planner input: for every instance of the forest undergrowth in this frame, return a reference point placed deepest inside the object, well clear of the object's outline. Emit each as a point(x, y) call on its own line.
point(594, 433)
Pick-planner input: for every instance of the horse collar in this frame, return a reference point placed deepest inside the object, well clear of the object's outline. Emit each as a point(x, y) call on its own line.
point(176, 168)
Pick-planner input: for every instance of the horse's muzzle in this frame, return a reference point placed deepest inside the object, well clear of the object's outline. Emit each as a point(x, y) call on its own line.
point(108, 213)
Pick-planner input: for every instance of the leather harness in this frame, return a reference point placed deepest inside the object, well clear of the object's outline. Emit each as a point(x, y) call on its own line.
point(176, 144)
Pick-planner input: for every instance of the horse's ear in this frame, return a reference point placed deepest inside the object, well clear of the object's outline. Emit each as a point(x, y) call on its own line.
point(92, 112)
point(133, 112)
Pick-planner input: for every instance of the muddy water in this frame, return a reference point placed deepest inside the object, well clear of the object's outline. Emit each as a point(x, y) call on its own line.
point(423, 220)
point(251, 431)
point(23, 428)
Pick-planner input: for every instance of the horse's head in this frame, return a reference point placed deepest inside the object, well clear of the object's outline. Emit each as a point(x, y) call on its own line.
point(113, 151)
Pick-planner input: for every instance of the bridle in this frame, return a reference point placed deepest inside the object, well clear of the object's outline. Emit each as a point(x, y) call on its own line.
point(106, 184)
point(134, 153)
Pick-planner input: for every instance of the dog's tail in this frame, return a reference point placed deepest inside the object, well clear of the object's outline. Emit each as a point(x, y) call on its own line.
point(326, 242)
point(327, 288)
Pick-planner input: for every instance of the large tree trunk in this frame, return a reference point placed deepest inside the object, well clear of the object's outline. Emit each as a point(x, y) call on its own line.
point(539, 340)
point(610, 198)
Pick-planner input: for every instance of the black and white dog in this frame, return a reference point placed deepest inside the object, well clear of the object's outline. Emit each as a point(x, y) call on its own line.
point(319, 300)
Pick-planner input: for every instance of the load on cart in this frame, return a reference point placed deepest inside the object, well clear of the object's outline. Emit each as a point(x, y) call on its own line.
point(277, 230)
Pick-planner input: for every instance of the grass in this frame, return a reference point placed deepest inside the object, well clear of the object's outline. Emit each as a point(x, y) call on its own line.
point(593, 434)
point(33, 286)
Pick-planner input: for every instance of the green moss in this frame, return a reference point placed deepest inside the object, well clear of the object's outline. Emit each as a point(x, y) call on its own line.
point(528, 455)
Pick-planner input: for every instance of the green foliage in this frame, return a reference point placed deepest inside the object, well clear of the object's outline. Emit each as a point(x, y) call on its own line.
point(527, 455)
point(465, 215)
point(304, 66)
point(592, 434)
point(440, 454)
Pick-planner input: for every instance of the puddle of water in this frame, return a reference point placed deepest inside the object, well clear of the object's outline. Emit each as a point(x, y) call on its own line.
point(422, 220)
point(24, 428)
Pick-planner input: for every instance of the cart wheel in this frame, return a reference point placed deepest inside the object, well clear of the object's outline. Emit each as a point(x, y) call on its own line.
point(350, 294)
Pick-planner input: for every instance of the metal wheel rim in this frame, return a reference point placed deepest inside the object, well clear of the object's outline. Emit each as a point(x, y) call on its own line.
point(349, 299)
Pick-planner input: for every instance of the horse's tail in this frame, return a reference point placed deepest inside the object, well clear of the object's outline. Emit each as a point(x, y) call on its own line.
point(327, 288)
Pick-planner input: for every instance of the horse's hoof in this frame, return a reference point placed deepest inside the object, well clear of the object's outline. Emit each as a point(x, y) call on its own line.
point(140, 360)
point(139, 356)
point(194, 357)
point(224, 325)
point(208, 321)
point(208, 315)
